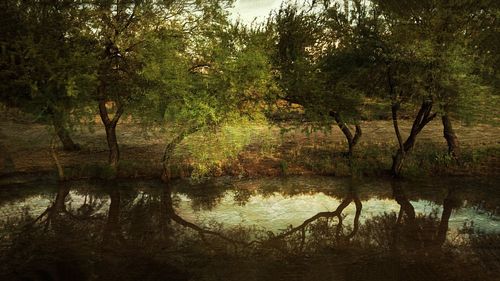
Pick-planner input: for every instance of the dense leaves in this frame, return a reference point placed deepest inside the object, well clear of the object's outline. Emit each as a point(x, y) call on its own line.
point(185, 67)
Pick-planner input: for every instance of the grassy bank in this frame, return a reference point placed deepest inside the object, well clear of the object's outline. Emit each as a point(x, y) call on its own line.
point(251, 150)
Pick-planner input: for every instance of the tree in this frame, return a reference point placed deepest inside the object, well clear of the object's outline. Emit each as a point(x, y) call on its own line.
point(351, 47)
point(323, 57)
point(123, 33)
point(425, 60)
point(214, 76)
point(42, 62)
point(118, 31)
point(406, 69)
point(467, 28)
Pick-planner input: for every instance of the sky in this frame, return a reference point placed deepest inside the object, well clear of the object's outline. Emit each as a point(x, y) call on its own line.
point(247, 10)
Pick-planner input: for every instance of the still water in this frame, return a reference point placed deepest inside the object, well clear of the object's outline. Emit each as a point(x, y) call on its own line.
point(302, 228)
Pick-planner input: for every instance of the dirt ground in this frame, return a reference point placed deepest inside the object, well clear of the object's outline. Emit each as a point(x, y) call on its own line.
point(25, 146)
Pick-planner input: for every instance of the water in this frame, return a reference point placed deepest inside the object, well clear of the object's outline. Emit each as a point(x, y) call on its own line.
point(302, 228)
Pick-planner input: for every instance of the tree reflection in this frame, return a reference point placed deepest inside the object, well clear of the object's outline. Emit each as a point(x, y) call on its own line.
point(322, 229)
point(171, 214)
point(142, 235)
point(112, 229)
point(58, 208)
point(406, 231)
point(450, 203)
point(397, 233)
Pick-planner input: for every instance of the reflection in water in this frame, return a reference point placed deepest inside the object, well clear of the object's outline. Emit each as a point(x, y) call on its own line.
point(351, 197)
point(162, 233)
point(112, 229)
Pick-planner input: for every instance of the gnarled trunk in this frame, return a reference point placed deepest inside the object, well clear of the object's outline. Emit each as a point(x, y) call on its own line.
point(110, 127)
point(352, 140)
point(451, 137)
point(423, 117)
point(406, 206)
point(58, 207)
point(62, 193)
point(397, 162)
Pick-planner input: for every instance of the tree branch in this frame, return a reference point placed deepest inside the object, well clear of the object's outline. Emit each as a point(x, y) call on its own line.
point(394, 109)
point(104, 112)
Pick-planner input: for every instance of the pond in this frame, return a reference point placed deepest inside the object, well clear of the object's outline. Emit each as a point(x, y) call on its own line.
point(298, 228)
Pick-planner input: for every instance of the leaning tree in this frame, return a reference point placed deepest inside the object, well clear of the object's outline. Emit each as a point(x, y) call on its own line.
point(216, 73)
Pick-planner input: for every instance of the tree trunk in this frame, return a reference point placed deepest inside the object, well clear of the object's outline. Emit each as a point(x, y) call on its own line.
point(60, 169)
point(443, 224)
point(397, 163)
point(112, 231)
point(351, 140)
point(450, 203)
point(423, 117)
point(110, 127)
point(451, 137)
point(114, 150)
point(397, 160)
point(169, 151)
point(59, 206)
point(62, 132)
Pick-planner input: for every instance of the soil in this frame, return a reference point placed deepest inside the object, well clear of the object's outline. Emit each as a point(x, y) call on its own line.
point(25, 146)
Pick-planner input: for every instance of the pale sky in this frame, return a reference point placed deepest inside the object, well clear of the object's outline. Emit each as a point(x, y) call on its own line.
point(247, 10)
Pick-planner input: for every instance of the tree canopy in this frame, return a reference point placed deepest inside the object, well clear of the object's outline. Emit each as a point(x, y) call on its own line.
point(185, 66)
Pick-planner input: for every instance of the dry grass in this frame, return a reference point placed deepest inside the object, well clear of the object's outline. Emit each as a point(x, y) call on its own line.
point(269, 153)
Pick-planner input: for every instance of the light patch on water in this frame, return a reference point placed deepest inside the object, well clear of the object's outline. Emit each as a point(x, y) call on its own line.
point(270, 212)
point(34, 204)
point(273, 212)
point(277, 212)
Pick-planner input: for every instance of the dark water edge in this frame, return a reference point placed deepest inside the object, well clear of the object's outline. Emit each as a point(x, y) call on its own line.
point(295, 228)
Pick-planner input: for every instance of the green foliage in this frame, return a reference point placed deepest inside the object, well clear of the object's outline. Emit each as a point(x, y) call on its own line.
point(324, 54)
point(476, 156)
point(45, 67)
point(431, 54)
point(183, 68)
point(208, 151)
point(222, 82)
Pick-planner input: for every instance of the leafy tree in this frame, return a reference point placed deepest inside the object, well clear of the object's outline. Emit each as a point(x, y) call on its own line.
point(425, 60)
point(351, 46)
point(42, 61)
point(324, 56)
point(119, 30)
point(473, 50)
point(124, 32)
point(212, 77)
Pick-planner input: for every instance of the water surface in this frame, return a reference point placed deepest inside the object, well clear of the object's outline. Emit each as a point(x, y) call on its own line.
point(301, 228)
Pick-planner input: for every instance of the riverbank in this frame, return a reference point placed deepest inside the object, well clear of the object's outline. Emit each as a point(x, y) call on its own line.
point(253, 150)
